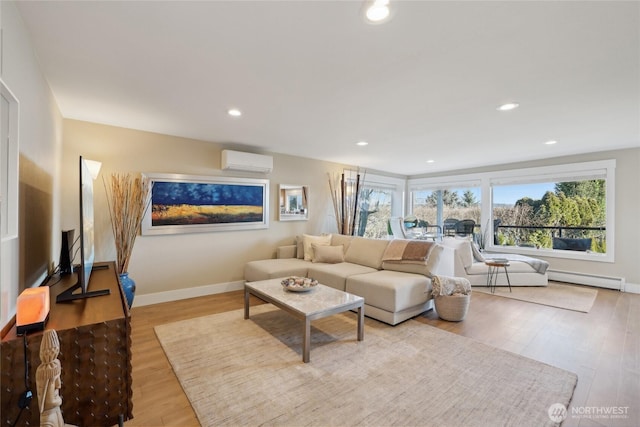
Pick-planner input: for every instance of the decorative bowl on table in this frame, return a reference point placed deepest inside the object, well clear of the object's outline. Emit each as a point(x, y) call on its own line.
point(299, 284)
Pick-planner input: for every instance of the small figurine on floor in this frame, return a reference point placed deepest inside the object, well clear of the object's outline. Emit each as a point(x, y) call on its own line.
point(48, 381)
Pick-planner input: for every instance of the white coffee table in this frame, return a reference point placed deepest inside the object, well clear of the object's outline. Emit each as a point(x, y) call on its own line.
point(321, 301)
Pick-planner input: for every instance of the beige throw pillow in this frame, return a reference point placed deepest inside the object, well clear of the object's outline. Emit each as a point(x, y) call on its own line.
point(328, 254)
point(341, 239)
point(309, 240)
point(367, 252)
point(299, 247)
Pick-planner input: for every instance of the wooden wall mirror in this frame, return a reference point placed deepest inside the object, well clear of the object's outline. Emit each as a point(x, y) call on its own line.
point(293, 202)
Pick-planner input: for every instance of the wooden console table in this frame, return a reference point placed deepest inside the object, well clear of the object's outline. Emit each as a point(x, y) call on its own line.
point(95, 354)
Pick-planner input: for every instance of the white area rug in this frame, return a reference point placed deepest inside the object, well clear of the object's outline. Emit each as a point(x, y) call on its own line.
point(576, 298)
point(239, 372)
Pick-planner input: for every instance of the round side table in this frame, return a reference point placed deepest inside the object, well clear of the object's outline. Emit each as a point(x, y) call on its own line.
point(492, 273)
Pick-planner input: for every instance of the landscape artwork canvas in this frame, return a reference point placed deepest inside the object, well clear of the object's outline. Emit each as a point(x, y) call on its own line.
point(185, 204)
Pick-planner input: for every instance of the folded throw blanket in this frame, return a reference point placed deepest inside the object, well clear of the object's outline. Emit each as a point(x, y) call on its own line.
point(539, 265)
point(407, 250)
point(445, 285)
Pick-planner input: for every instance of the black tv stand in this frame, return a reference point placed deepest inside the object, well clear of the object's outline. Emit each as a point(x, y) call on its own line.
point(70, 294)
point(93, 267)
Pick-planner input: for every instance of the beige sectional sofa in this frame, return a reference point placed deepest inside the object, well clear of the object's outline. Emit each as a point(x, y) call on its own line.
point(468, 262)
point(395, 288)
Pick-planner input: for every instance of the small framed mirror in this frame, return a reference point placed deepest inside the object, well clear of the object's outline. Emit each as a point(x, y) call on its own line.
point(293, 202)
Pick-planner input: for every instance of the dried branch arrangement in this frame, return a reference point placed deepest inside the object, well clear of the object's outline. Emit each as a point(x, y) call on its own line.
point(345, 191)
point(128, 198)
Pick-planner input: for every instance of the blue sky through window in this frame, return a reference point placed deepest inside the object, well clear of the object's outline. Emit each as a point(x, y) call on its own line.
point(503, 194)
point(509, 194)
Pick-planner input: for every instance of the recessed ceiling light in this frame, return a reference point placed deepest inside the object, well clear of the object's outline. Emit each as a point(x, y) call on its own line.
point(362, 143)
point(378, 12)
point(508, 106)
point(430, 161)
point(234, 112)
point(551, 142)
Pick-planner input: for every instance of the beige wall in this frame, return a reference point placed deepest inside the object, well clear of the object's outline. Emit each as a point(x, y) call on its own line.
point(627, 212)
point(171, 262)
point(27, 258)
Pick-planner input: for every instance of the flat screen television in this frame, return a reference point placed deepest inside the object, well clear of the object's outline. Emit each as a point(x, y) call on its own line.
point(80, 289)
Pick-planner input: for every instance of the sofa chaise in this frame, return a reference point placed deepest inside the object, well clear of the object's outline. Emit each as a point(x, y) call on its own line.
point(468, 262)
point(393, 278)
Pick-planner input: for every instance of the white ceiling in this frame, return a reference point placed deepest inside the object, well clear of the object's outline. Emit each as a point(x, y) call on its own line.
point(312, 78)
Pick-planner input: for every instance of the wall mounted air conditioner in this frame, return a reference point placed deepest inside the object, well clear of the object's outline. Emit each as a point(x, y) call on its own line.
point(240, 161)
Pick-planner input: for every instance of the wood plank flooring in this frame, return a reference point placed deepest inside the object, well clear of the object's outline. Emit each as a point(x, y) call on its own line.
point(602, 347)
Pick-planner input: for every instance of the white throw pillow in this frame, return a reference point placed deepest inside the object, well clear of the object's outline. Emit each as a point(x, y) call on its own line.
point(477, 255)
point(318, 240)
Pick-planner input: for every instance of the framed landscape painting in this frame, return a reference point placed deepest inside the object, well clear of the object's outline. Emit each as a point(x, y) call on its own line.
point(191, 204)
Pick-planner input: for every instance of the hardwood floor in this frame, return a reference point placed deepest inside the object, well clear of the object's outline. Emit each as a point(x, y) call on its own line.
point(602, 347)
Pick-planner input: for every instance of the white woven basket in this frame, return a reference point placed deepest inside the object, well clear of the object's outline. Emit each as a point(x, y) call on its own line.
point(452, 307)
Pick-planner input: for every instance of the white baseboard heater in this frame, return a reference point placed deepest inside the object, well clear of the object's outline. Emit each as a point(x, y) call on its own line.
point(607, 282)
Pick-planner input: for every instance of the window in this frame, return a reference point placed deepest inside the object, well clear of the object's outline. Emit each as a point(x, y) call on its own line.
point(459, 203)
point(563, 211)
point(380, 198)
point(566, 210)
point(444, 205)
point(375, 211)
point(555, 215)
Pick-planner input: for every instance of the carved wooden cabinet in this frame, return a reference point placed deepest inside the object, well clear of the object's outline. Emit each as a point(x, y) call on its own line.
point(95, 354)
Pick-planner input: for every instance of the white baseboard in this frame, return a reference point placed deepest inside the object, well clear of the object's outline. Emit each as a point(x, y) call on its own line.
point(632, 288)
point(178, 294)
point(218, 288)
point(608, 282)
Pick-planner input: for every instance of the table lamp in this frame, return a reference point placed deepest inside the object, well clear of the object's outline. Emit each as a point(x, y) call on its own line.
point(32, 311)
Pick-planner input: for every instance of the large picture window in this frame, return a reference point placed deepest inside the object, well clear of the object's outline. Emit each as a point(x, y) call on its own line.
point(569, 215)
point(563, 211)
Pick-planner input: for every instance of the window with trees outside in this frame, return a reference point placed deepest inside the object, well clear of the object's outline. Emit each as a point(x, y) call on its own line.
point(444, 207)
point(374, 212)
point(569, 215)
point(563, 211)
point(380, 198)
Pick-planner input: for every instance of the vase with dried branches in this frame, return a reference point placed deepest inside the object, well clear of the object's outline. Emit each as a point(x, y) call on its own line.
point(127, 198)
point(345, 190)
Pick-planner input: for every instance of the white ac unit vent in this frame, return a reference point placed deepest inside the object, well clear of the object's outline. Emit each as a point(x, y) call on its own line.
point(240, 161)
